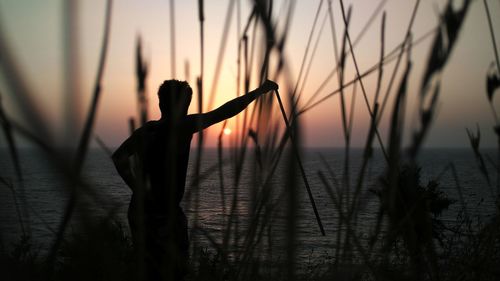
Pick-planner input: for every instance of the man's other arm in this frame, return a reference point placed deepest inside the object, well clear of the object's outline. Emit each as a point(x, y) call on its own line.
point(121, 159)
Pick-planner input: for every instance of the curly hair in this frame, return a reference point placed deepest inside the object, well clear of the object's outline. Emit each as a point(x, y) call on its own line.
point(171, 93)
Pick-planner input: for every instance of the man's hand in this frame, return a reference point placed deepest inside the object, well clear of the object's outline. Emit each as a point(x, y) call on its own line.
point(268, 85)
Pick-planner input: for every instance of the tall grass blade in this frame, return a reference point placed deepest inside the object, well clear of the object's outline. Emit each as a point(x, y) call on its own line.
point(341, 72)
point(387, 59)
point(220, 55)
point(20, 91)
point(221, 172)
point(492, 84)
point(399, 57)
point(89, 124)
point(302, 171)
point(358, 72)
point(309, 40)
point(141, 72)
point(474, 143)
point(201, 19)
point(104, 146)
point(381, 62)
point(172, 40)
point(367, 25)
point(492, 33)
point(13, 151)
point(311, 59)
point(444, 42)
point(85, 138)
point(71, 70)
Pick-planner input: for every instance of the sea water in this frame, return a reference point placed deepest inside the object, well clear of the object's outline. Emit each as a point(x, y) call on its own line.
point(45, 191)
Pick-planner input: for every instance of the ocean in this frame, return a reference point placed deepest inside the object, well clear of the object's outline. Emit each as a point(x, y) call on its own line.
point(46, 194)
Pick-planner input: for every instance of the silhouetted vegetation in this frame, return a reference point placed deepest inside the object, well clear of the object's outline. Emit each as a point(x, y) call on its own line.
point(408, 241)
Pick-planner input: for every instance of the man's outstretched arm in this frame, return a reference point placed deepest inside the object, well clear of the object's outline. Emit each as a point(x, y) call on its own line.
point(230, 108)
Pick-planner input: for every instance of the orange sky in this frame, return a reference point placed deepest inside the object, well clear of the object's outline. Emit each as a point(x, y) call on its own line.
point(34, 31)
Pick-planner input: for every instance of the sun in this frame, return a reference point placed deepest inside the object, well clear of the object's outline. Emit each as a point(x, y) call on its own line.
point(227, 131)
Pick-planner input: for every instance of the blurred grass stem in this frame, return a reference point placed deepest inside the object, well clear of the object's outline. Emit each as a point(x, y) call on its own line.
point(301, 167)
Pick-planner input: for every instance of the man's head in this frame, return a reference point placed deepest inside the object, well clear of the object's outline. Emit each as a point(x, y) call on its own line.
point(174, 97)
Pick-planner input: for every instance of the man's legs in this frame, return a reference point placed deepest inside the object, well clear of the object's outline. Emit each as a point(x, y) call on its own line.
point(167, 247)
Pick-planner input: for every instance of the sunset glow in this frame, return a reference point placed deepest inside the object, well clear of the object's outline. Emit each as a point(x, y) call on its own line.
point(249, 139)
point(41, 61)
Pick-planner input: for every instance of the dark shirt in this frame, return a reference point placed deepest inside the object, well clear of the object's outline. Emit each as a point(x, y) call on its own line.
point(165, 157)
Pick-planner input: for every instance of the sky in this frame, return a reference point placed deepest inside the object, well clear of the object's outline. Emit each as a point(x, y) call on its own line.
point(35, 34)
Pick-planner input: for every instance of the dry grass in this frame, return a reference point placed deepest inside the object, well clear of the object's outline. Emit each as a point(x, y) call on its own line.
point(407, 241)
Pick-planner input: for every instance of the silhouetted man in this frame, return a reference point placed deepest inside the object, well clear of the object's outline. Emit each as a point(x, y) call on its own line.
point(153, 162)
